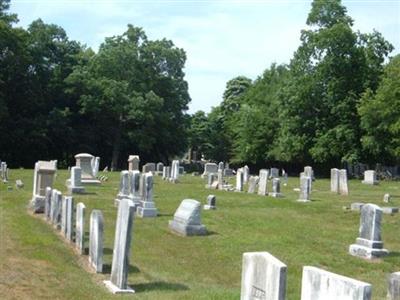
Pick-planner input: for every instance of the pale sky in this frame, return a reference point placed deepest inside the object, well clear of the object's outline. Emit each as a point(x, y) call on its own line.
point(222, 39)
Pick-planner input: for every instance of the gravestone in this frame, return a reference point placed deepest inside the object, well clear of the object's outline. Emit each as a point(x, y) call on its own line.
point(308, 172)
point(74, 184)
point(394, 286)
point(386, 198)
point(181, 170)
point(221, 166)
point(211, 202)
point(239, 180)
point(276, 188)
point(47, 203)
point(390, 210)
point(57, 204)
point(95, 166)
point(263, 277)
point(220, 177)
point(19, 184)
point(369, 244)
point(246, 174)
point(80, 228)
point(159, 168)
point(305, 189)
point(211, 178)
point(67, 217)
point(320, 284)
point(263, 182)
point(285, 177)
point(53, 201)
point(343, 185)
point(335, 180)
point(133, 163)
point(274, 173)
point(356, 206)
point(174, 171)
point(253, 181)
point(187, 219)
point(124, 188)
point(370, 178)
point(209, 168)
point(84, 161)
point(96, 240)
point(164, 173)
point(122, 245)
point(228, 172)
point(147, 208)
point(149, 167)
point(43, 177)
point(134, 187)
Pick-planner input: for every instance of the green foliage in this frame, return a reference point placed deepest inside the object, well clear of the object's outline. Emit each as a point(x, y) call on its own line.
point(380, 116)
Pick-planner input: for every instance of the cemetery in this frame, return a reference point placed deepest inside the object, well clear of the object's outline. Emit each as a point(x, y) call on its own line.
point(138, 160)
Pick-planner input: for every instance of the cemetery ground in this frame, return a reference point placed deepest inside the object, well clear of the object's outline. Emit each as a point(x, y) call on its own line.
point(36, 262)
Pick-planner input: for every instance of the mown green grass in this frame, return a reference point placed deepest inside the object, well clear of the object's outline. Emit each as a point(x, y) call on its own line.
point(36, 262)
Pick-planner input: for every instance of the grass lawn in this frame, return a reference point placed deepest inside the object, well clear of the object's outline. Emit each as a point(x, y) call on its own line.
point(36, 262)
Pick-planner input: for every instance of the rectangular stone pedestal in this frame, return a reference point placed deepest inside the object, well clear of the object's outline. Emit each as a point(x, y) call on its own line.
point(367, 252)
point(116, 290)
point(208, 207)
point(91, 181)
point(144, 212)
point(275, 195)
point(187, 230)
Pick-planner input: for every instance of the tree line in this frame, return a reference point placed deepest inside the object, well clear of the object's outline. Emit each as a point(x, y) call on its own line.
point(336, 101)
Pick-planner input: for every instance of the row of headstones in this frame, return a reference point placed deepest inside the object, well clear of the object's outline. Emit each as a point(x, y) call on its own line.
point(60, 211)
point(137, 187)
point(264, 277)
point(4, 172)
point(213, 168)
point(171, 173)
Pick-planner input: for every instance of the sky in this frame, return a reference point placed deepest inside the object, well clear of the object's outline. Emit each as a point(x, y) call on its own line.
point(222, 39)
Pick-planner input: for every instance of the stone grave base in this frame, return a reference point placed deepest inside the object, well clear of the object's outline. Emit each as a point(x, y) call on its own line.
point(37, 204)
point(144, 212)
point(91, 181)
point(275, 195)
point(116, 290)
point(186, 230)
point(390, 210)
point(370, 183)
point(367, 252)
point(76, 189)
point(208, 207)
point(303, 200)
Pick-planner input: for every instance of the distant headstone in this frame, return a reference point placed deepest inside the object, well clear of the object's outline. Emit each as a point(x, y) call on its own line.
point(85, 162)
point(274, 173)
point(187, 219)
point(335, 181)
point(276, 188)
point(96, 240)
point(56, 212)
point(320, 284)
point(149, 167)
point(228, 172)
point(263, 277)
point(253, 181)
point(263, 182)
point(124, 189)
point(246, 174)
point(343, 185)
point(74, 184)
point(209, 168)
point(305, 189)
point(147, 208)
point(221, 166)
point(394, 286)
point(211, 202)
point(174, 171)
point(369, 244)
point(220, 177)
point(19, 184)
point(309, 172)
point(159, 168)
point(134, 187)
point(80, 227)
point(370, 177)
point(386, 198)
point(133, 162)
point(356, 206)
point(95, 166)
point(43, 177)
point(390, 210)
point(211, 177)
point(122, 245)
point(239, 180)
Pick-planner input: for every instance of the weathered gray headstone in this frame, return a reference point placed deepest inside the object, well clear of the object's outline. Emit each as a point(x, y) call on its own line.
point(276, 188)
point(239, 180)
point(134, 187)
point(19, 184)
point(394, 286)
point(56, 212)
point(147, 208)
point(47, 204)
point(343, 185)
point(221, 166)
point(187, 219)
point(263, 182)
point(305, 189)
point(80, 227)
point(308, 172)
point(370, 177)
point(43, 177)
point(274, 173)
point(228, 172)
point(122, 245)
point(386, 198)
point(318, 284)
point(253, 181)
point(123, 187)
point(211, 178)
point(369, 244)
point(133, 162)
point(246, 174)
point(209, 168)
point(84, 161)
point(159, 168)
point(263, 277)
point(149, 167)
point(220, 179)
point(74, 184)
point(335, 180)
point(174, 171)
point(211, 202)
point(96, 166)
point(96, 240)
point(67, 217)
point(390, 210)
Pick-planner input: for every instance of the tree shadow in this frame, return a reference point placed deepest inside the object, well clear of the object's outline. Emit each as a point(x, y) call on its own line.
point(133, 269)
point(88, 193)
point(107, 251)
point(393, 254)
point(159, 286)
point(211, 233)
point(164, 215)
point(106, 269)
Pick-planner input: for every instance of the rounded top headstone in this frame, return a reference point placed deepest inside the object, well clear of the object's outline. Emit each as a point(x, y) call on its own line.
point(83, 155)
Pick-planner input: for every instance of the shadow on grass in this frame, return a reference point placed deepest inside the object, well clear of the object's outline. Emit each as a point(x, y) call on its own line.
point(159, 286)
point(211, 233)
point(165, 215)
point(89, 193)
point(393, 254)
point(107, 251)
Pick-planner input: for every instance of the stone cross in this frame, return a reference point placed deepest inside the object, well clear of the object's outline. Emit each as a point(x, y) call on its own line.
point(320, 284)
point(211, 202)
point(263, 277)
point(80, 227)
point(305, 189)
point(239, 180)
point(147, 208)
point(187, 219)
point(263, 182)
point(276, 188)
point(122, 246)
point(133, 162)
point(96, 240)
point(369, 244)
point(253, 181)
